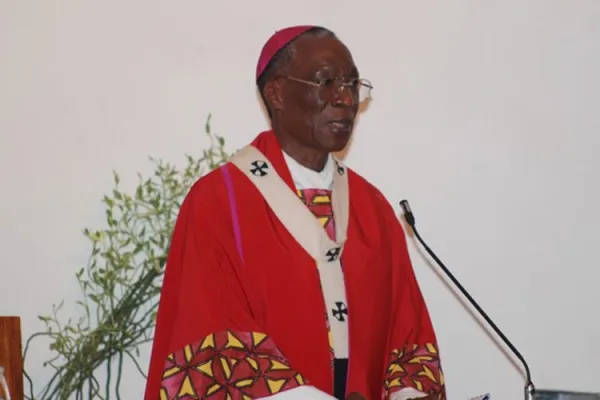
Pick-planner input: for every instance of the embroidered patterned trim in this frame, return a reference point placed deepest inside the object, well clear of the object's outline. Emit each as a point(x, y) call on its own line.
point(417, 367)
point(319, 203)
point(228, 365)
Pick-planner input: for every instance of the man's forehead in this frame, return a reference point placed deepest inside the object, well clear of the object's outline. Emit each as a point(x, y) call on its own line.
point(321, 51)
point(321, 44)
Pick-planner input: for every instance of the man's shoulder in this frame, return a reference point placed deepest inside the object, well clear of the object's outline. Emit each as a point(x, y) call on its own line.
point(371, 204)
point(219, 185)
point(208, 189)
point(360, 186)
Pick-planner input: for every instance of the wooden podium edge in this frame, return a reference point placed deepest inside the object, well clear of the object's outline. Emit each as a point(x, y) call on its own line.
point(11, 355)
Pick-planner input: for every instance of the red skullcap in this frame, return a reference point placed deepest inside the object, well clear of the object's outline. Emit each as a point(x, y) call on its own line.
point(278, 40)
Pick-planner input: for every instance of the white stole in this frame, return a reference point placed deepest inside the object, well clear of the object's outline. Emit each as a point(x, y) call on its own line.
point(308, 232)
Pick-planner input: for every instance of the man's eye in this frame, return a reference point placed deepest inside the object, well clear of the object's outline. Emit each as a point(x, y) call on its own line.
point(327, 83)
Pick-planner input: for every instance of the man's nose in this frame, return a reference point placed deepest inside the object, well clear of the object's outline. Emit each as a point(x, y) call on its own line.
point(344, 96)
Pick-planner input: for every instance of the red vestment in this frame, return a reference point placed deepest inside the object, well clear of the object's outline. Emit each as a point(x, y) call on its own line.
point(243, 315)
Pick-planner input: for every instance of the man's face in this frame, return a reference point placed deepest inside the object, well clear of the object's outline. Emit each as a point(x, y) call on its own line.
point(323, 117)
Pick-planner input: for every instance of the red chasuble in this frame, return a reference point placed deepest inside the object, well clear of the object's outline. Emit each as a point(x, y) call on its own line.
point(241, 312)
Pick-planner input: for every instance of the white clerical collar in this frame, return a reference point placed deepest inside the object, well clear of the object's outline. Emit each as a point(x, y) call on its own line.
point(305, 178)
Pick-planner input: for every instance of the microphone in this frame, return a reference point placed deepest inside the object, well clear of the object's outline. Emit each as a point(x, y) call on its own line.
point(410, 219)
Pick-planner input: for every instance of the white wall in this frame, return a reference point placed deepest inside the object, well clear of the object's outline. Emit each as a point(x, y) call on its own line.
point(484, 117)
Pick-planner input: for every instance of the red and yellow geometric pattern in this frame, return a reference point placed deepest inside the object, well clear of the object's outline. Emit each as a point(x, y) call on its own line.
point(228, 365)
point(319, 203)
point(417, 367)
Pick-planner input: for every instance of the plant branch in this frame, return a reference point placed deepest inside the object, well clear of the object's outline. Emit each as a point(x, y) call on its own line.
point(121, 282)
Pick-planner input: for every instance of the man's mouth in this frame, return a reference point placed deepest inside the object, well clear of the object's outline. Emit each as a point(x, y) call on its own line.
point(340, 125)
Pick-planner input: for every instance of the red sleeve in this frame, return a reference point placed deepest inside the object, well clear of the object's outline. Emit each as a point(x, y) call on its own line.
point(413, 359)
point(206, 340)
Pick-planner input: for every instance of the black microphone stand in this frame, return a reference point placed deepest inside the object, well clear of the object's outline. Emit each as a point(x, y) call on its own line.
point(410, 219)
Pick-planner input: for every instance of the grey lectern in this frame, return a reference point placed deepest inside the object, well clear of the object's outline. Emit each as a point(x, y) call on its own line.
point(531, 393)
point(539, 394)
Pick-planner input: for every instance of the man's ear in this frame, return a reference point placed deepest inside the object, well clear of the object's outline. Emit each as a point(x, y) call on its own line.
point(273, 92)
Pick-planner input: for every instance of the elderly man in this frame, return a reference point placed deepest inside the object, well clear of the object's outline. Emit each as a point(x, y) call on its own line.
point(288, 275)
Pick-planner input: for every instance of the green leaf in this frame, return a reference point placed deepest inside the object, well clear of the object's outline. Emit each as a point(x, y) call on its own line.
point(139, 193)
point(207, 124)
point(108, 201)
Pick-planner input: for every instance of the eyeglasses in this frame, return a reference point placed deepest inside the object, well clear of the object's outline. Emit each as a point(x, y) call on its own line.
point(359, 88)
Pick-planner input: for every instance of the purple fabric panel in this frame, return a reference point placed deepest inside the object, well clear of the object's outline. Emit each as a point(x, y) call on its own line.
point(234, 213)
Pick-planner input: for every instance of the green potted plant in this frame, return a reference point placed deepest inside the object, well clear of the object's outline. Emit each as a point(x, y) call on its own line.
point(120, 284)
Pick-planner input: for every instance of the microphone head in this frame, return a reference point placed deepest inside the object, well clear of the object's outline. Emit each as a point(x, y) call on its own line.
point(408, 214)
point(405, 206)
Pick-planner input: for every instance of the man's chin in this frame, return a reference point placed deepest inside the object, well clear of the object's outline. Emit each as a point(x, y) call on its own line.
point(336, 143)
